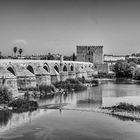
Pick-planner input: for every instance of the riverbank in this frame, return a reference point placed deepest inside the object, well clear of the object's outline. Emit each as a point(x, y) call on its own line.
point(122, 110)
point(120, 115)
point(26, 101)
point(77, 114)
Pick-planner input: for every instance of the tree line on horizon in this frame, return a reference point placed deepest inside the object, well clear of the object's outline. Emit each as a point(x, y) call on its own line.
point(47, 57)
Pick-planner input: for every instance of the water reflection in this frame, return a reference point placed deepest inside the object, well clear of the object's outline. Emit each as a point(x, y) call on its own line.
point(107, 94)
point(5, 116)
point(92, 98)
point(113, 93)
point(120, 90)
point(124, 118)
point(125, 81)
point(9, 120)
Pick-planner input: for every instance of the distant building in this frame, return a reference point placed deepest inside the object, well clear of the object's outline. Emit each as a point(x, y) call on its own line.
point(93, 54)
point(113, 58)
point(110, 60)
point(133, 57)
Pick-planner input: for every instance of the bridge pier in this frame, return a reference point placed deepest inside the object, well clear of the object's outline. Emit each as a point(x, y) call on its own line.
point(55, 76)
point(71, 74)
point(80, 73)
point(42, 76)
point(64, 75)
point(9, 80)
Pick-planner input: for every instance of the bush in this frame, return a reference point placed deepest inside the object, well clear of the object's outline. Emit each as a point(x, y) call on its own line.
point(95, 82)
point(124, 107)
point(5, 95)
point(29, 89)
point(105, 75)
point(70, 84)
point(23, 105)
point(137, 74)
point(45, 89)
point(82, 80)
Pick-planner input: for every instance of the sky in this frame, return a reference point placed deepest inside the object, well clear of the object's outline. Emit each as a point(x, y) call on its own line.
point(57, 26)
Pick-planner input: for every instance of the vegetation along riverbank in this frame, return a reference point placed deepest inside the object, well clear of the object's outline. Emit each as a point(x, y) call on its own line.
point(123, 110)
point(7, 102)
point(27, 102)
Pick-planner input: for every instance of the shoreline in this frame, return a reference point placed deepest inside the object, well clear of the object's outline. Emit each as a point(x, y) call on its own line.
point(124, 114)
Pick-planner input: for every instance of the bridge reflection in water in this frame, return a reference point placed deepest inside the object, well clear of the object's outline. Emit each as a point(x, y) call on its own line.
point(90, 98)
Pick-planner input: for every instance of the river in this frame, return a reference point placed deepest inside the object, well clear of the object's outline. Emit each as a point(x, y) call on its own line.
point(79, 122)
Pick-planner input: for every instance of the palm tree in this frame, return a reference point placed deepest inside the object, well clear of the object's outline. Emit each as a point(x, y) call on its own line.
point(20, 51)
point(15, 50)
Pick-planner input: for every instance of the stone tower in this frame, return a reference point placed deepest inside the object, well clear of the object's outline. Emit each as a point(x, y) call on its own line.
point(93, 54)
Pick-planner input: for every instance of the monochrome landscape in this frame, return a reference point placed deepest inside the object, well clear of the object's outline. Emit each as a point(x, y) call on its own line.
point(69, 70)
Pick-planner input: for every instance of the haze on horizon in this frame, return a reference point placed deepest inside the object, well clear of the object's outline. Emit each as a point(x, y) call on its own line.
point(57, 26)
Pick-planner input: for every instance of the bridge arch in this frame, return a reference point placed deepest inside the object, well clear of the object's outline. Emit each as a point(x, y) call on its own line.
point(12, 70)
point(46, 67)
point(71, 67)
point(90, 65)
point(56, 67)
point(30, 68)
point(65, 68)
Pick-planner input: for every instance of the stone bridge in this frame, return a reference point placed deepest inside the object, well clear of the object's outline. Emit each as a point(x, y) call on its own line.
point(18, 74)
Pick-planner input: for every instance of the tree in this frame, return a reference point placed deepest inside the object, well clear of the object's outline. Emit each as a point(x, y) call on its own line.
point(134, 60)
point(73, 57)
point(50, 56)
point(137, 74)
point(20, 51)
point(15, 50)
point(124, 69)
point(5, 95)
point(133, 54)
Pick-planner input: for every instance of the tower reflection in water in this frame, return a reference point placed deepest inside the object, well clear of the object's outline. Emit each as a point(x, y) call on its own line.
point(92, 99)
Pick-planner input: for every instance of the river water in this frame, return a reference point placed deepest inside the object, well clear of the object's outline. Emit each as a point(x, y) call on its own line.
point(79, 122)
